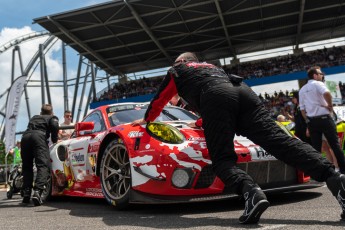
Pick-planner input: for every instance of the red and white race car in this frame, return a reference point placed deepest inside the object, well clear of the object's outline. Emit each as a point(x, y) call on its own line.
point(165, 161)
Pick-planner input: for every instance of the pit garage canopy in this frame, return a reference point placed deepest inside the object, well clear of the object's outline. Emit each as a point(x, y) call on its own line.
point(125, 36)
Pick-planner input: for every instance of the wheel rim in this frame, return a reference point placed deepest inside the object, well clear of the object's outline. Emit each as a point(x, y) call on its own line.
point(116, 175)
point(46, 191)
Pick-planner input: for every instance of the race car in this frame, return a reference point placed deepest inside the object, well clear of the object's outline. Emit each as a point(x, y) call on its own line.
point(165, 161)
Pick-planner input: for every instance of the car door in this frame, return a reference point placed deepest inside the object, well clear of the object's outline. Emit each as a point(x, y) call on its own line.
point(83, 149)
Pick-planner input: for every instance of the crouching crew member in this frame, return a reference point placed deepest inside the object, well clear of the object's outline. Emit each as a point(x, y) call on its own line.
point(35, 148)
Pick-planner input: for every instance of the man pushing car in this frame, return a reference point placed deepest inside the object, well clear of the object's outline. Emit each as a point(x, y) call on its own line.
point(227, 107)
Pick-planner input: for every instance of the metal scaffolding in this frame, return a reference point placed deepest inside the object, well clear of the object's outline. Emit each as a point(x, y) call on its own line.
point(87, 80)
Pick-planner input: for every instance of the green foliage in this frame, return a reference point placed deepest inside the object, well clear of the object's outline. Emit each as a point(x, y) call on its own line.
point(3, 154)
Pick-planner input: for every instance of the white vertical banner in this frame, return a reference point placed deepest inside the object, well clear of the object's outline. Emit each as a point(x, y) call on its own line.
point(12, 109)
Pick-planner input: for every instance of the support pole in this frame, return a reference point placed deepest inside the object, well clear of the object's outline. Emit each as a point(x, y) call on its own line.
point(47, 82)
point(41, 48)
point(76, 86)
point(64, 68)
point(83, 92)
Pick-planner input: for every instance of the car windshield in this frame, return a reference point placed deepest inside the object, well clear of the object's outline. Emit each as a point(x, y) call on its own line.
point(120, 114)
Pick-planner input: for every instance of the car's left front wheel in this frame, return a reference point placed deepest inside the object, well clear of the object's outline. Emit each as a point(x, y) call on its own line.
point(115, 174)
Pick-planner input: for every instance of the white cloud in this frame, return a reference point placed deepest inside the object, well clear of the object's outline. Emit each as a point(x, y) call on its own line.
point(54, 70)
point(289, 85)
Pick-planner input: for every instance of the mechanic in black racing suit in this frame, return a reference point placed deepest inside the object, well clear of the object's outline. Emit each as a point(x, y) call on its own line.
point(35, 147)
point(228, 106)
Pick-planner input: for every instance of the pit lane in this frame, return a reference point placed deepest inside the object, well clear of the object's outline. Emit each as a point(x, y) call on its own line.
point(309, 209)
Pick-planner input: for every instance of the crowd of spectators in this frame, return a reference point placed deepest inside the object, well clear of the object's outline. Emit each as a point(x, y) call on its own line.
point(280, 103)
point(334, 56)
point(131, 89)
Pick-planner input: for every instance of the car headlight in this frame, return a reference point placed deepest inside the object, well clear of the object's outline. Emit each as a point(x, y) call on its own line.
point(165, 133)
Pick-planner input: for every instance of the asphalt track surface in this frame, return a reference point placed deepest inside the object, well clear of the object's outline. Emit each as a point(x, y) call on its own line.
point(308, 209)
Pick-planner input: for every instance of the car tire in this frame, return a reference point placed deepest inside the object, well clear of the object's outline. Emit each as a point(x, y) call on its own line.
point(9, 194)
point(46, 194)
point(115, 174)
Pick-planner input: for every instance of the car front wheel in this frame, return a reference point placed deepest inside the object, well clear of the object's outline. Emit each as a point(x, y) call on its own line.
point(115, 174)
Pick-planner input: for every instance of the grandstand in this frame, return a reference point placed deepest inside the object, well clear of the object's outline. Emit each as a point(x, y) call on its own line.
point(125, 37)
point(128, 38)
point(134, 42)
point(289, 67)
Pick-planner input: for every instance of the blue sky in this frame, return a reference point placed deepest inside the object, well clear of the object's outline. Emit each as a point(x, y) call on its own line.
point(19, 13)
point(16, 19)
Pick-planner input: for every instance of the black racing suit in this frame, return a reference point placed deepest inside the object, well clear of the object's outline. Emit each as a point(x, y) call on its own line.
point(227, 108)
point(34, 146)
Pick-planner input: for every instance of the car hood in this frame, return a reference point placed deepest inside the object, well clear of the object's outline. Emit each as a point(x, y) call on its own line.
point(244, 148)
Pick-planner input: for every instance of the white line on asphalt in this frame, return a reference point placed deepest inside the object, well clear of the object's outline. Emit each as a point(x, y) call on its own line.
point(274, 226)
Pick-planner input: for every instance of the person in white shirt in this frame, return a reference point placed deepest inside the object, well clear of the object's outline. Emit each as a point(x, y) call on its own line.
point(64, 134)
point(316, 107)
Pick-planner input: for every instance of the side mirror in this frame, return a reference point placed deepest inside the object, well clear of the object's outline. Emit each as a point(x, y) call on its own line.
point(84, 128)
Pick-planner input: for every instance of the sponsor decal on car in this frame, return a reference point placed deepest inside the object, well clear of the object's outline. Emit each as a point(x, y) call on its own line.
point(146, 150)
point(77, 159)
point(258, 153)
point(96, 192)
point(196, 139)
point(135, 134)
point(93, 147)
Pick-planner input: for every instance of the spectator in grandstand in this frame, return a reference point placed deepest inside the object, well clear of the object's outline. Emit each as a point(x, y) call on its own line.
point(281, 118)
point(228, 106)
point(64, 134)
point(35, 147)
point(316, 107)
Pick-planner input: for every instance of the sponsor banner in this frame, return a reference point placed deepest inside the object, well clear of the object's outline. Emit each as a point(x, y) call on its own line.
point(333, 87)
point(12, 109)
point(340, 111)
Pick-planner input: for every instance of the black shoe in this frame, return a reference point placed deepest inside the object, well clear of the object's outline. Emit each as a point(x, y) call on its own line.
point(26, 195)
point(36, 198)
point(337, 186)
point(256, 204)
